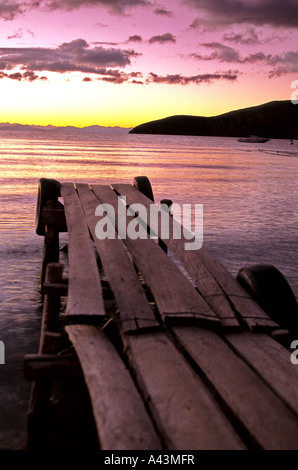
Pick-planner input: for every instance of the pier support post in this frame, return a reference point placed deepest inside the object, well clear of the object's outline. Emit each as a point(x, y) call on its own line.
point(51, 249)
point(41, 390)
point(51, 307)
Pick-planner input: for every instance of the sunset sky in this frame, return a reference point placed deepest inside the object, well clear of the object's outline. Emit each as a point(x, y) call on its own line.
point(124, 62)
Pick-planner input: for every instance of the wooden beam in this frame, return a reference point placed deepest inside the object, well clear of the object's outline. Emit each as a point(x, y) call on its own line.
point(55, 288)
point(51, 304)
point(266, 417)
point(84, 286)
point(49, 366)
point(183, 408)
point(271, 361)
point(54, 217)
point(213, 280)
point(120, 416)
point(175, 297)
point(135, 312)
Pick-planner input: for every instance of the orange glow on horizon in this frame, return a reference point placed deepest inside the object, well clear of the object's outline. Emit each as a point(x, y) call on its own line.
point(65, 100)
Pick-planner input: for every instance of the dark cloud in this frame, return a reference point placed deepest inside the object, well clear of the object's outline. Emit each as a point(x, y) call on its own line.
point(29, 76)
point(17, 34)
point(162, 11)
point(114, 6)
point(163, 38)
point(224, 53)
point(101, 25)
point(118, 77)
point(178, 79)
point(222, 13)
point(282, 64)
point(196, 23)
point(249, 36)
point(135, 38)
point(73, 56)
point(220, 52)
point(9, 9)
point(106, 43)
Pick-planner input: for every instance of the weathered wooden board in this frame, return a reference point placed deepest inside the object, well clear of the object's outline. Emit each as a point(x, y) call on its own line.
point(173, 293)
point(135, 311)
point(119, 412)
point(84, 286)
point(255, 318)
point(211, 277)
point(185, 412)
point(265, 416)
point(271, 361)
point(49, 366)
point(54, 217)
point(203, 279)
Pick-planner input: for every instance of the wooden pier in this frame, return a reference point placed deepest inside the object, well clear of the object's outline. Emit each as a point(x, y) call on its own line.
point(158, 347)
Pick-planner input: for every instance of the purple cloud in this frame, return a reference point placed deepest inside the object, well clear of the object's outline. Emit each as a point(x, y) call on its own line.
point(114, 6)
point(221, 13)
point(282, 64)
point(135, 38)
point(9, 9)
point(178, 79)
point(27, 76)
point(248, 36)
point(162, 11)
point(118, 77)
point(220, 52)
point(163, 38)
point(76, 55)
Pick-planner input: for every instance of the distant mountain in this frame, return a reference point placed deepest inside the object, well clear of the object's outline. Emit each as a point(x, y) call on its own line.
point(277, 119)
point(94, 129)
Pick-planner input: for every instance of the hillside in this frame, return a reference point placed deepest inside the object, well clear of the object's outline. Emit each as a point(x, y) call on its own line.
point(277, 119)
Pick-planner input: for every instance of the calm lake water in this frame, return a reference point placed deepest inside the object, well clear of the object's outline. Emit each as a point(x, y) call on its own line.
point(249, 193)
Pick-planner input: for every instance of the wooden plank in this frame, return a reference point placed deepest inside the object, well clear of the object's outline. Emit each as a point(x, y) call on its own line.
point(51, 304)
point(55, 288)
point(84, 286)
point(49, 366)
point(54, 217)
point(135, 312)
point(211, 277)
point(267, 419)
point(201, 276)
point(54, 342)
point(120, 416)
point(50, 249)
point(254, 317)
point(173, 293)
point(185, 412)
point(271, 361)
